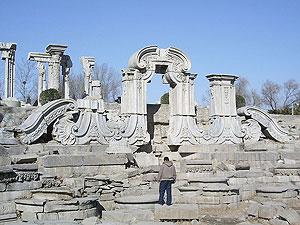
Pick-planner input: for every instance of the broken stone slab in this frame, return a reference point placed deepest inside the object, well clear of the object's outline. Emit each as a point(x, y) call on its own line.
point(6, 169)
point(2, 187)
point(274, 189)
point(249, 174)
point(144, 199)
point(242, 166)
point(144, 159)
point(190, 188)
point(91, 221)
point(98, 178)
point(59, 222)
point(136, 172)
point(26, 185)
point(209, 179)
point(5, 161)
point(290, 215)
point(221, 188)
point(126, 216)
point(61, 206)
point(52, 194)
point(38, 202)
point(154, 223)
point(25, 167)
point(198, 162)
point(253, 209)
point(278, 222)
point(7, 208)
point(176, 212)
point(51, 161)
point(26, 158)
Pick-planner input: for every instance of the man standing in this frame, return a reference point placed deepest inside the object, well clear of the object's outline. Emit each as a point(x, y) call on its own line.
point(166, 176)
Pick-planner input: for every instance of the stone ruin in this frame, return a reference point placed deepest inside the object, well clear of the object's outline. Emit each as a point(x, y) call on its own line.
point(91, 162)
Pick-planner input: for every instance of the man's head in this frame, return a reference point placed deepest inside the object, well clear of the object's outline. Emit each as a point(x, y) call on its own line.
point(166, 159)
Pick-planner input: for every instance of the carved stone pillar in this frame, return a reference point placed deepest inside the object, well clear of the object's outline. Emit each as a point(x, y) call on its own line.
point(88, 64)
point(42, 77)
point(223, 109)
point(8, 54)
point(134, 93)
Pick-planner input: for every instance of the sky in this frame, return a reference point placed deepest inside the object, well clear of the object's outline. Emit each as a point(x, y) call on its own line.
point(254, 39)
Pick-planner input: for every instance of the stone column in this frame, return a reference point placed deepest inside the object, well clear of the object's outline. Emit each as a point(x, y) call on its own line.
point(8, 54)
point(41, 80)
point(88, 64)
point(66, 67)
point(56, 52)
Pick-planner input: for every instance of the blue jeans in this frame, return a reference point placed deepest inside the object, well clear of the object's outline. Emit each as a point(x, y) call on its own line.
point(165, 185)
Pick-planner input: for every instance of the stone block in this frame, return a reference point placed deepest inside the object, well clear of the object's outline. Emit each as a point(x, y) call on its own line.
point(47, 216)
point(107, 197)
point(253, 209)
point(52, 194)
point(2, 187)
point(278, 222)
point(229, 199)
point(77, 215)
point(25, 167)
point(144, 199)
point(35, 148)
point(144, 159)
point(29, 208)
point(7, 208)
point(242, 166)
point(16, 150)
point(24, 186)
point(91, 221)
point(12, 195)
point(208, 200)
point(60, 206)
point(5, 160)
point(8, 217)
point(176, 212)
point(28, 216)
point(126, 216)
point(266, 212)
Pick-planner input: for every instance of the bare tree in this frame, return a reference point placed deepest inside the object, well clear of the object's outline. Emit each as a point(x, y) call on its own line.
point(26, 80)
point(291, 91)
point(270, 94)
point(110, 81)
point(255, 98)
point(76, 85)
point(241, 88)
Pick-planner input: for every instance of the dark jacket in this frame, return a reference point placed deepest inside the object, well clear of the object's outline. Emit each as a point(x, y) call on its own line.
point(167, 171)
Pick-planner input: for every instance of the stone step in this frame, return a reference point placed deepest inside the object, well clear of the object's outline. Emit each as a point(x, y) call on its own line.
point(127, 216)
point(52, 194)
point(137, 202)
point(176, 212)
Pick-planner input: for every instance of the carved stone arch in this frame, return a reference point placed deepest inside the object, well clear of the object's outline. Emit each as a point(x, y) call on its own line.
point(151, 59)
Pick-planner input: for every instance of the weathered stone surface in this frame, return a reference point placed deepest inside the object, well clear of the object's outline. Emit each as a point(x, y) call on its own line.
point(209, 179)
point(28, 216)
point(278, 222)
point(242, 166)
point(91, 221)
point(154, 223)
point(253, 209)
point(60, 206)
point(77, 215)
point(14, 150)
point(27, 158)
point(144, 160)
point(83, 160)
point(25, 167)
point(52, 194)
point(47, 216)
point(127, 215)
point(266, 212)
point(290, 215)
point(180, 211)
point(29, 208)
point(8, 217)
point(2, 187)
point(5, 161)
point(24, 186)
point(7, 208)
point(30, 202)
point(12, 195)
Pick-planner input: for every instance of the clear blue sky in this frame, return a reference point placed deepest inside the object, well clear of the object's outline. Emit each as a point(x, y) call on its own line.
point(256, 39)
